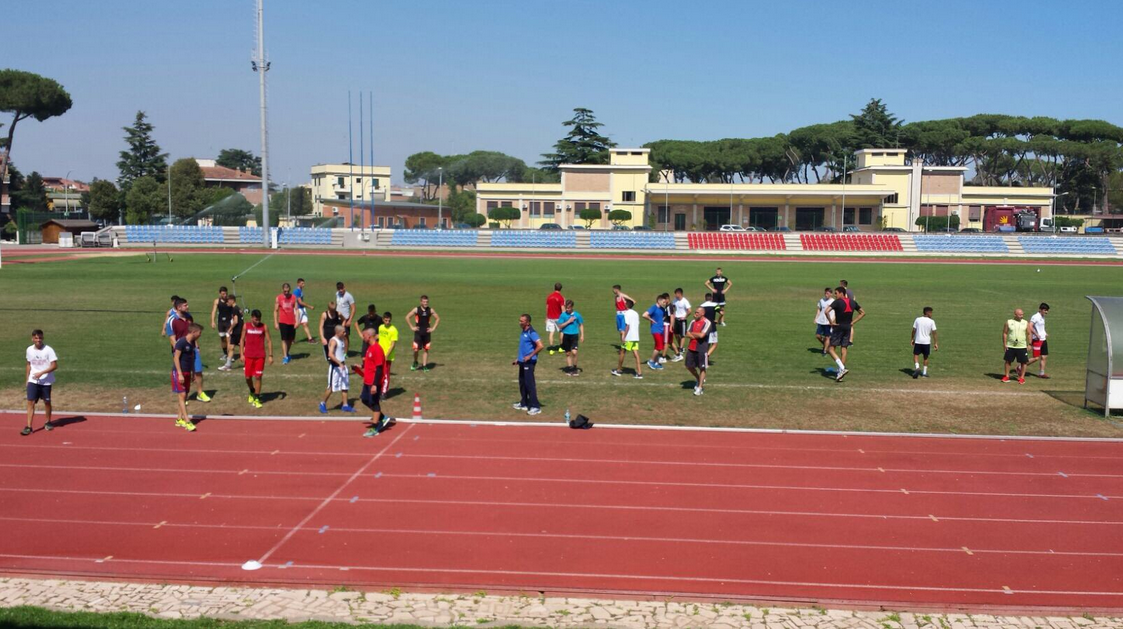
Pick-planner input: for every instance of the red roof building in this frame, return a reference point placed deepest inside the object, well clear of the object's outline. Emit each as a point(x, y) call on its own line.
point(244, 183)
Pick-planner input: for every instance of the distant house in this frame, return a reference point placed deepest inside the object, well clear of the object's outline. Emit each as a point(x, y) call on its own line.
point(52, 228)
point(244, 183)
point(64, 194)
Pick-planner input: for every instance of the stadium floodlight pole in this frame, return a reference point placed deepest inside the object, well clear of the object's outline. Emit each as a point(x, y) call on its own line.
point(362, 159)
point(66, 194)
point(169, 195)
point(350, 162)
point(370, 130)
point(261, 66)
point(845, 160)
point(440, 199)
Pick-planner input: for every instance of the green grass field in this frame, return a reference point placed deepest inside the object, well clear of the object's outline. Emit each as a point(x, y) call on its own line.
point(103, 316)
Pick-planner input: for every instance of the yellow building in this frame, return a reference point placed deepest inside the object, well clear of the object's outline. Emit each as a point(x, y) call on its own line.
point(338, 182)
point(883, 191)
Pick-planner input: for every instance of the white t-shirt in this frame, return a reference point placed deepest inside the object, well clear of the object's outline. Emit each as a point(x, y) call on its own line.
point(821, 318)
point(344, 303)
point(924, 327)
point(682, 308)
point(40, 360)
point(631, 319)
point(1038, 322)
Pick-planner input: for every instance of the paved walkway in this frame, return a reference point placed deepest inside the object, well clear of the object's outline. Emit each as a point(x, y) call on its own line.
point(182, 601)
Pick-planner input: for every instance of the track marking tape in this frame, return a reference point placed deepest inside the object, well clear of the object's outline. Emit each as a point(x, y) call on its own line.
point(343, 569)
point(1006, 590)
point(204, 495)
point(967, 550)
point(301, 436)
point(1029, 455)
point(104, 559)
point(416, 437)
point(288, 564)
point(904, 491)
point(243, 472)
point(432, 474)
point(1063, 474)
point(1101, 497)
point(378, 475)
point(274, 452)
point(398, 455)
point(323, 528)
point(933, 517)
point(882, 470)
point(354, 499)
point(162, 523)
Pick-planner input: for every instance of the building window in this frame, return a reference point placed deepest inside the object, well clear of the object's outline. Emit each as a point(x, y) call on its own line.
point(340, 196)
point(506, 204)
point(421, 221)
point(847, 216)
point(664, 213)
point(580, 205)
point(535, 208)
point(891, 199)
point(865, 216)
point(381, 222)
point(594, 206)
point(340, 182)
point(975, 213)
point(548, 209)
point(629, 196)
point(491, 205)
point(376, 184)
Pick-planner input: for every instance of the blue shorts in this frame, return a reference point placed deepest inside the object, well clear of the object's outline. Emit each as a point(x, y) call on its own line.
point(36, 392)
point(822, 330)
point(198, 362)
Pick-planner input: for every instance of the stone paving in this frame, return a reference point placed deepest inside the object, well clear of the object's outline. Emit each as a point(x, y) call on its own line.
point(479, 609)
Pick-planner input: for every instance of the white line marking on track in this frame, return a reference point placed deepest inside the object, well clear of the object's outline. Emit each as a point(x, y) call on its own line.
point(592, 575)
point(331, 497)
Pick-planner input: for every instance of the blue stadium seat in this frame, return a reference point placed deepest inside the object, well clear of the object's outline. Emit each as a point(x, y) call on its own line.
point(948, 243)
point(631, 240)
point(534, 239)
point(1071, 245)
point(438, 238)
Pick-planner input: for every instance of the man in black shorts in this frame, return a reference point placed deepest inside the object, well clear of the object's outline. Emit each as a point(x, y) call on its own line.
point(234, 334)
point(719, 285)
point(841, 314)
point(697, 350)
point(370, 321)
point(424, 323)
point(220, 321)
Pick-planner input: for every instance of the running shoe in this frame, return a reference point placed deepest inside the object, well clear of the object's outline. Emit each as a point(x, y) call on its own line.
point(286, 360)
point(202, 396)
point(26, 431)
point(924, 375)
point(425, 369)
point(413, 367)
point(638, 376)
point(224, 367)
point(185, 424)
point(658, 367)
point(256, 403)
point(385, 423)
point(676, 358)
point(250, 399)
point(723, 324)
point(915, 374)
point(662, 360)
point(575, 372)
point(347, 408)
point(371, 432)
point(552, 352)
point(651, 365)
point(518, 406)
point(697, 390)
point(323, 408)
point(48, 426)
point(841, 374)
point(1005, 378)
point(616, 372)
point(1021, 380)
point(534, 411)
point(1042, 375)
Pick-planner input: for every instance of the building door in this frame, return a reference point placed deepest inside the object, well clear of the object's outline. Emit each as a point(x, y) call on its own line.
point(680, 222)
point(764, 217)
point(715, 217)
point(808, 218)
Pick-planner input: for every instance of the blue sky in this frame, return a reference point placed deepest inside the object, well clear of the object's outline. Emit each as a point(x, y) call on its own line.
point(456, 76)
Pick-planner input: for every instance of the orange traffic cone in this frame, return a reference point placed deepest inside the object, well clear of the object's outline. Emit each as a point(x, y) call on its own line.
point(416, 406)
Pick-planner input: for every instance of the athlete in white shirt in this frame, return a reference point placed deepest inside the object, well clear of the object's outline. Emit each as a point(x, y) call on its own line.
point(679, 326)
point(822, 323)
point(923, 341)
point(41, 365)
point(1040, 343)
point(629, 340)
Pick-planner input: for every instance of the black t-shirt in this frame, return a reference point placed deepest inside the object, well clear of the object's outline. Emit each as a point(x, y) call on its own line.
point(844, 310)
point(710, 310)
point(330, 321)
point(370, 321)
point(236, 313)
point(718, 282)
point(186, 356)
point(224, 313)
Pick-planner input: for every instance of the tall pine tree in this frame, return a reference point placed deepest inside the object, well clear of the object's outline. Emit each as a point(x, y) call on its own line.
point(143, 157)
point(582, 145)
point(875, 127)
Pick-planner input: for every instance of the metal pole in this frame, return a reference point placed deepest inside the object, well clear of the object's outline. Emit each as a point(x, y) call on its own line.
point(66, 194)
point(370, 130)
point(440, 199)
point(169, 195)
point(350, 161)
point(844, 164)
point(261, 67)
point(362, 159)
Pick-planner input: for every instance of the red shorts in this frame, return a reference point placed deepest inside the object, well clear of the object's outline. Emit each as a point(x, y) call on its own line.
point(660, 339)
point(254, 367)
point(184, 388)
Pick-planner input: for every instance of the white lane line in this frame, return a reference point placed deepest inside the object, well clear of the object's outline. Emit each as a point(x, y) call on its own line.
point(330, 498)
point(613, 507)
point(559, 424)
point(575, 536)
point(595, 575)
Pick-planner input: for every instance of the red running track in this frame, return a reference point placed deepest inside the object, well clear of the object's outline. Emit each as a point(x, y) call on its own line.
point(889, 520)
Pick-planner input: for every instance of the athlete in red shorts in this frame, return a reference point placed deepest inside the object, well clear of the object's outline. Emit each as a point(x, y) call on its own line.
point(255, 337)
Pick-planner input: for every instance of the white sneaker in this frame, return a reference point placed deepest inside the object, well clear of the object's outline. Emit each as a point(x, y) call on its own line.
point(662, 360)
point(723, 324)
point(841, 374)
point(224, 367)
point(697, 390)
point(638, 376)
point(676, 358)
point(518, 406)
point(616, 372)
point(534, 411)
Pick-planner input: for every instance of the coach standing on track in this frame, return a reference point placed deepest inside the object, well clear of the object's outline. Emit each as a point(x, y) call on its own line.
point(1015, 334)
point(529, 346)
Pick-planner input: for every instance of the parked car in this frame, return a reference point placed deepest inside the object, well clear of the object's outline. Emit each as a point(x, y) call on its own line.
point(1068, 229)
point(826, 228)
point(576, 227)
point(851, 228)
point(419, 227)
point(641, 228)
point(462, 226)
point(781, 228)
point(550, 226)
point(731, 228)
point(970, 230)
point(621, 228)
point(893, 229)
point(753, 228)
point(1093, 230)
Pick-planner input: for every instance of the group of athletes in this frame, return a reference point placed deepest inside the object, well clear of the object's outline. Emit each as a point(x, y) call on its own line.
point(244, 336)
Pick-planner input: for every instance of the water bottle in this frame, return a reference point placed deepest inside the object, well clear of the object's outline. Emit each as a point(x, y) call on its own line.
point(125, 404)
point(567, 417)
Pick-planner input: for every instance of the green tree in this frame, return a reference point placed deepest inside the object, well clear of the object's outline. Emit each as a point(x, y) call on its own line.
point(486, 166)
point(103, 200)
point(582, 145)
point(187, 186)
point(279, 202)
point(590, 215)
point(475, 219)
point(504, 214)
point(238, 159)
point(144, 199)
point(938, 223)
point(211, 196)
point(143, 157)
point(231, 210)
point(619, 217)
point(27, 95)
point(875, 127)
point(424, 168)
point(31, 195)
point(462, 205)
point(274, 216)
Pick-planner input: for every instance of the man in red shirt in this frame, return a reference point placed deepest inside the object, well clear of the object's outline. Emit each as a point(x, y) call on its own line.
point(374, 365)
point(255, 336)
point(555, 303)
point(696, 352)
point(284, 319)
